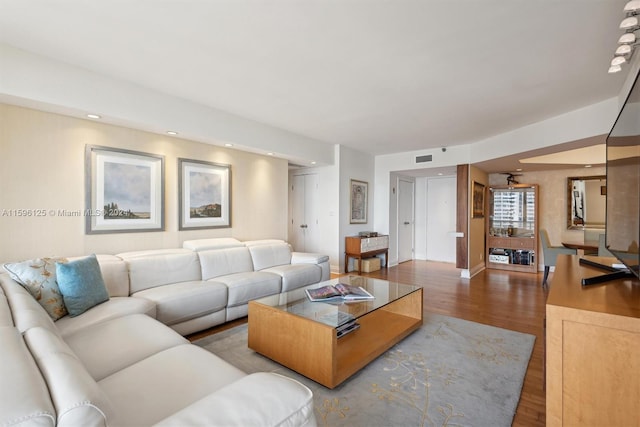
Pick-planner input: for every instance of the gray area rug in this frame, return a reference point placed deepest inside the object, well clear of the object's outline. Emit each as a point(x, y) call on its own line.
point(450, 372)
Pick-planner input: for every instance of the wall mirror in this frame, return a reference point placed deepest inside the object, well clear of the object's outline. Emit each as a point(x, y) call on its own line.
point(586, 202)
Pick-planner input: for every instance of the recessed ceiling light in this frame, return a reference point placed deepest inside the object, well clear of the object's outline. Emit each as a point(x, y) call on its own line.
point(313, 163)
point(269, 154)
point(228, 145)
point(519, 170)
point(587, 166)
point(93, 116)
point(172, 132)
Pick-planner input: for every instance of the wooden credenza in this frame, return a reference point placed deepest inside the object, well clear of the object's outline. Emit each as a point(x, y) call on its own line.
point(592, 348)
point(365, 247)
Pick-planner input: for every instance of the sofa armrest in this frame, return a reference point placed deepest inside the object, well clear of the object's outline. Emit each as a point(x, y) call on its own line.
point(260, 399)
point(308, 258)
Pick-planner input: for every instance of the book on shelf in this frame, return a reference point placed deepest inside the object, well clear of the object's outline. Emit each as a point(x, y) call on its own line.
point(341, 291)
point(338, 318)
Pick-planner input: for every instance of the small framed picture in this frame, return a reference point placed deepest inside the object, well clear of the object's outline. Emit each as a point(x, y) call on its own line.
point(124, 191)
point(205, 194)
point(477, 210)
point(358, 205)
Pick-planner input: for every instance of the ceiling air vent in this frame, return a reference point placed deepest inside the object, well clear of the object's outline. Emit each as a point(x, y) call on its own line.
point(424, 159)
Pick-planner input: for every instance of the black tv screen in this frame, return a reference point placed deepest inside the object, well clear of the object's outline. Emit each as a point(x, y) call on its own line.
point(623, 183)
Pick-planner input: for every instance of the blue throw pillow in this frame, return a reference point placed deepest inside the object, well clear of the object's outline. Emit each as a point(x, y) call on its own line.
point(81, 284)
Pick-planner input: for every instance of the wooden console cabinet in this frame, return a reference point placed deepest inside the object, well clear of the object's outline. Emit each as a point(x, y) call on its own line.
point(365, 247)
point(592, 348)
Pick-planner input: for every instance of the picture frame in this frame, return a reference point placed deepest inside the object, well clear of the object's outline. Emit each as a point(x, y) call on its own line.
point(358, 196)
point(124, 191)
point(204, 194)
point(477, 205)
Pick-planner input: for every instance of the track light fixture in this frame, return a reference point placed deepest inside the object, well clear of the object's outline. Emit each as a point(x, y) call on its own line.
point(632, 6)
point(627, 38)
point(623, 49)
point(627, 41)
point(629, 23)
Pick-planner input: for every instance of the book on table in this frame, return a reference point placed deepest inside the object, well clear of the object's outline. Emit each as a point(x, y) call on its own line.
point(345, 322)
point(341, 291)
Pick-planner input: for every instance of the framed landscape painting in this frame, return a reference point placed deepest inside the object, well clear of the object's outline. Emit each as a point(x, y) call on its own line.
point(124, 191)
point(478, 200)
point(205, 194)
point(358, 202)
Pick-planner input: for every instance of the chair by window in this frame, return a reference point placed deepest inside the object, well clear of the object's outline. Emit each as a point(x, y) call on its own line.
point(551, 253)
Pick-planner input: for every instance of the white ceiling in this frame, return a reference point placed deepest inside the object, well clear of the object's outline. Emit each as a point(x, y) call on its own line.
point(377, 76)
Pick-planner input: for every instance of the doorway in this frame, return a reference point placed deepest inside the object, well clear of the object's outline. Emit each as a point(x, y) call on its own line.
point(406, 220)
point(303, 227)
point(441, 219)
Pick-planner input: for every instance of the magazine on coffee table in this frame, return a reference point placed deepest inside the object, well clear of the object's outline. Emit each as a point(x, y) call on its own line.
point(341, 291)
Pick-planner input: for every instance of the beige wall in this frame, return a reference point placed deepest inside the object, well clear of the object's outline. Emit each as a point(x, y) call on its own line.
point(477, 225)
point(42, 167)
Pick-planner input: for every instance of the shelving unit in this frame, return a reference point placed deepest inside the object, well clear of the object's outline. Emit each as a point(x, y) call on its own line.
point(512, 228)
point(359, 247)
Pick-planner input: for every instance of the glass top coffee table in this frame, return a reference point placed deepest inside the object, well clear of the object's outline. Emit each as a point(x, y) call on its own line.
point(303, 335)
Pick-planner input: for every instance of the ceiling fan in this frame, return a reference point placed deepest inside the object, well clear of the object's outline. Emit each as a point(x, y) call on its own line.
point(511, 177)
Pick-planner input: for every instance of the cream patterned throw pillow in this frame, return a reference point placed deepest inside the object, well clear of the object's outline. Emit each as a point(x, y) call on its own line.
point(38, 276)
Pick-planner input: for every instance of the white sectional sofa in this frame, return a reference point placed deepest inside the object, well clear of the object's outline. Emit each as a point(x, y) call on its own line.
point(125, 361)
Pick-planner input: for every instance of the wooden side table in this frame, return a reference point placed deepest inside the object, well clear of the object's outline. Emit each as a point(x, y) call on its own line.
point(365, 247)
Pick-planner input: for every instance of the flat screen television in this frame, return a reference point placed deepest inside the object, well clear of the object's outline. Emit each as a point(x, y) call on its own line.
point(622, 235)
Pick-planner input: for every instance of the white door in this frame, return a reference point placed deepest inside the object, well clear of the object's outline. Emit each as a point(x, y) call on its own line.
point(441, 219)
point(304, 234)
point(405, 220)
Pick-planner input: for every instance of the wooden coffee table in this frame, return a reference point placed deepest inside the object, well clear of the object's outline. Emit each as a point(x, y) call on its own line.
point(301, 335)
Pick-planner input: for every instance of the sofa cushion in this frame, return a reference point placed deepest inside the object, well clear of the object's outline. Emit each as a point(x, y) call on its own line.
point(244, 287)
point(263, 242)
point(191, 373)
point(24, 398)
point(77, 398)
point(296, 275)
point(81, 284)
point(179, 302)
point(308, 258)
point(270, 255)
point(220, 262)
point(114, 272)
point(148, 269)
point(5, 311)
point(206, 244)
point(25, 310)
point(38, 276)
point(260, 399)
point(114, 308)
point(107, 347)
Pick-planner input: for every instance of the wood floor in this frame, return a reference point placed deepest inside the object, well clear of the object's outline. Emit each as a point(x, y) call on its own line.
point(509, 300)
point(505, 299)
